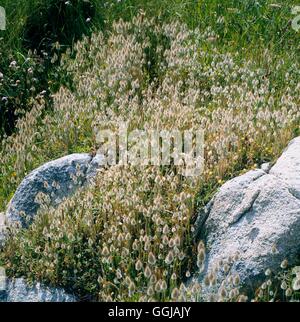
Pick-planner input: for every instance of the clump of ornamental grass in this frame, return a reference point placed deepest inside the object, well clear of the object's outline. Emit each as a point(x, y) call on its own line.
point(283, 285)
point(130, 235)
point(101, 247)
point(104, 245)
point(221, 283)
point(158, 75)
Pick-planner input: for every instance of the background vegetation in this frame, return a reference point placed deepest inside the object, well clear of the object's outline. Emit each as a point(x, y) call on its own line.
point(247, 56)
point(48, 28)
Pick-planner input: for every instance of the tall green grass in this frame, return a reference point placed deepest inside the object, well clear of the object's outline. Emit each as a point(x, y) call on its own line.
point(238, 23)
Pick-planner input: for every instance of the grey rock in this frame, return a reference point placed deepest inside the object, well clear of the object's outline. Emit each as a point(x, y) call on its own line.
point(266, 167)
point(287, 167)
point(53, 182)
point(253, 215)
point(96, 163)
point(18, 290)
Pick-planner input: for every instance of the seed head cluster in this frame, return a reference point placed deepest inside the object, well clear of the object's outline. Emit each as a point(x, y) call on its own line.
point(129, 236)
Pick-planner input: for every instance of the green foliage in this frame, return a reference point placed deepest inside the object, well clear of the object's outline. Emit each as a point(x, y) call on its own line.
point(250, 23)
point(245, 49)
point(50, 27)
point(37, 33)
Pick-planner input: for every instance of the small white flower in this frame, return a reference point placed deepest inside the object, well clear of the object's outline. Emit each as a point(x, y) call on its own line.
point(13, 64)
point(296, 283)
point(275, 5)
point(268, 272)
point(284, 264)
